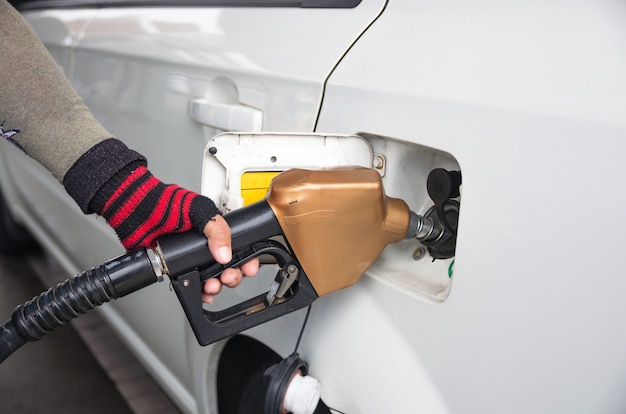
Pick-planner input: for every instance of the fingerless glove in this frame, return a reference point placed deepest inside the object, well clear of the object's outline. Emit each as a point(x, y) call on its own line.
point(114, 182)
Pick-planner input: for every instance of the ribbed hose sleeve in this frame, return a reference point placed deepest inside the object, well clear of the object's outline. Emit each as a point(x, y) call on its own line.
point(59, 305)
point(73, 297)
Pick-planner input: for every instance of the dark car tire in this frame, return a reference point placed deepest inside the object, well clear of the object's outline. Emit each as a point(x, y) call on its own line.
point(14, 239)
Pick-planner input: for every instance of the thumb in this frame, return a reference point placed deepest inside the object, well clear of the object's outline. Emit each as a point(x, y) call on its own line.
point(217, 232)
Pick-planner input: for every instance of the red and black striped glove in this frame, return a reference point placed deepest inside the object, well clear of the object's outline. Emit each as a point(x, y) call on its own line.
point(114, 182)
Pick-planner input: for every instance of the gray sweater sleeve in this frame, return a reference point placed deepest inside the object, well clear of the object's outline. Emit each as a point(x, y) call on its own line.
point(41, 113)
point(39, 110)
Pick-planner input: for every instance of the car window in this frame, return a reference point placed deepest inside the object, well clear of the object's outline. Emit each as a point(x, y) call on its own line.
point(46, 4)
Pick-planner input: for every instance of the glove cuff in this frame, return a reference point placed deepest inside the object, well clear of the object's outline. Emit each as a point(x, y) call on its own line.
point(85, 178)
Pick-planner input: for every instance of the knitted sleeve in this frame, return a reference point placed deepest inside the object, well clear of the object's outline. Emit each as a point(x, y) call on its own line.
point(39, 110)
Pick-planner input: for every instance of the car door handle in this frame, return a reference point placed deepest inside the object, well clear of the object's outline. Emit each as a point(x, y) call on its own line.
point(225, 116)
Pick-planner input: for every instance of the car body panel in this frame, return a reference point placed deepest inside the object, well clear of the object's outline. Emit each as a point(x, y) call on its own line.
point(529, 99)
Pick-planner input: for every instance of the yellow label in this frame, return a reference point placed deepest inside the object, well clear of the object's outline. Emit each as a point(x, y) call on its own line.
point(254, 185)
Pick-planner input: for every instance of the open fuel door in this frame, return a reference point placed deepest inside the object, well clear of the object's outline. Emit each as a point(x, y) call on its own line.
point(238, 167)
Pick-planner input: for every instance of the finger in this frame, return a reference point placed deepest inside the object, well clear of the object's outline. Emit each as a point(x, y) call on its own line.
point(231, 277)
point(217, 232)
point(211, 288)
point(207, 298)
point(250, 268)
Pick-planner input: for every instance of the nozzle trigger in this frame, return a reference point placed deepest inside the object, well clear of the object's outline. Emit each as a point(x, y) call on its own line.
point(284, 280)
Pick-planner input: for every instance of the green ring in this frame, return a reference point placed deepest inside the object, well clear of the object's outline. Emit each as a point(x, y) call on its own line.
point(451, 269)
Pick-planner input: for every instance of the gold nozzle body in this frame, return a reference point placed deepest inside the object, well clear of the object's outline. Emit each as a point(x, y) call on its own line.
point(337, 221)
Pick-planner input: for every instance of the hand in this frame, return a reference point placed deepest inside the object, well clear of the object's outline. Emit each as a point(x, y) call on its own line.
point(114, 182)
point(217, 232)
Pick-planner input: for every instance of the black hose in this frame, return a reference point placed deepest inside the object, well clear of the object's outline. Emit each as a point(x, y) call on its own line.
point(10, 339)
point(73, 297)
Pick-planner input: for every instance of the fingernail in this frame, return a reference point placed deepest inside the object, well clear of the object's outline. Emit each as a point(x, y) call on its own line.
point(224, 255)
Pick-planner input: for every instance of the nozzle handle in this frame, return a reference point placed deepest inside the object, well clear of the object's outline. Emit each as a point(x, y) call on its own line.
point(184, 252)
point(188, 262)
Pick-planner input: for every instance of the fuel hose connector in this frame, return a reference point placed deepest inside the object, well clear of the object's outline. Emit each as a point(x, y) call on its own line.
point(439, 237)
point(424, 229)
point(73, 297)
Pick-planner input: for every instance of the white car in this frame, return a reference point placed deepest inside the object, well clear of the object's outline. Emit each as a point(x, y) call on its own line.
point(526, 99)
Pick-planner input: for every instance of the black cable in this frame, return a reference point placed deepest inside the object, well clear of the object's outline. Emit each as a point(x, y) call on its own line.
point(306, 319)
point(325, 83)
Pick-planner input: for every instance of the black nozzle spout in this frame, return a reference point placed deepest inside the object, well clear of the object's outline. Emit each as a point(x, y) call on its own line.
point(73, 297)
